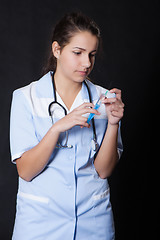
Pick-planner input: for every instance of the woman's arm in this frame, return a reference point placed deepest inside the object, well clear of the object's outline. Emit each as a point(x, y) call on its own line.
point(107, 156)
point(33, 161)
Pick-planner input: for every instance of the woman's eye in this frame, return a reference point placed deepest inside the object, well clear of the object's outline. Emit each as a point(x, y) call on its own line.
point(77, 53)
point(92, 55)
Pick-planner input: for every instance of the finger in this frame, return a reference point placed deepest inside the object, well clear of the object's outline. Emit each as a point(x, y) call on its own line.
point(82, 111)
point(90, 110)
point(108, 100)
point(85, 105)
point(118, 114)
point(119, 103)
point(83, 122)
point(117, 92)
point(116, 108)
point(114, 101)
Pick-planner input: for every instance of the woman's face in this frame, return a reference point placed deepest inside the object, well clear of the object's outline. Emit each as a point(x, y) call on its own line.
point(76, 60)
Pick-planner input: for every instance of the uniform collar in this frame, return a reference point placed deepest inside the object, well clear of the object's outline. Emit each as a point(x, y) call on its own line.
point(92, 89)
point(44, 88)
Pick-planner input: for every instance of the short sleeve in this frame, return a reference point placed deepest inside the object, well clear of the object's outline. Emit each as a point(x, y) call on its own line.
point(22, 130)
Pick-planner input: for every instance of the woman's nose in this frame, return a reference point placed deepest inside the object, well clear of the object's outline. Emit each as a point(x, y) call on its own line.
point(86, 62)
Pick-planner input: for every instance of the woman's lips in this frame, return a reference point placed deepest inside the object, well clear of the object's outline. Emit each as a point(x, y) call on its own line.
point(82, 73)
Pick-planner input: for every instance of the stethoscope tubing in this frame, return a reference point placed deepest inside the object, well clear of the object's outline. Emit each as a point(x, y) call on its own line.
point(94, 140)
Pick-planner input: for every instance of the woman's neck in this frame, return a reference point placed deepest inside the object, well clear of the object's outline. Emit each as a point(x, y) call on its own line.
point(67, 89)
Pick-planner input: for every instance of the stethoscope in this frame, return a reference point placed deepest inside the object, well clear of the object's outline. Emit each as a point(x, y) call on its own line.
point(94, 143)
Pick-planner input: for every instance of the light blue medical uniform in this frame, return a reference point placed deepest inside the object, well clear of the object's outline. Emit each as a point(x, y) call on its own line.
point(67, 200)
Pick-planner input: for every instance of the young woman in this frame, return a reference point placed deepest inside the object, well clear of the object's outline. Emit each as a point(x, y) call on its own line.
point(63, 162)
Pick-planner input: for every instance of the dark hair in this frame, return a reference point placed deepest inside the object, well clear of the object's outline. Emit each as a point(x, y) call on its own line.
point(65, 29)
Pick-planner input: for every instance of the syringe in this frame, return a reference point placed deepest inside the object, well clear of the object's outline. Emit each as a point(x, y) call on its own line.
point(107, 94)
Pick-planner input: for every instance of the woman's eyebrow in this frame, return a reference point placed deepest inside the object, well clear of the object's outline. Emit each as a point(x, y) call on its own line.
point(83, 49)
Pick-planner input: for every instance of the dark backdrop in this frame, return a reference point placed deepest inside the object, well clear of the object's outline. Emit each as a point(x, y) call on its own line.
point(130, 31)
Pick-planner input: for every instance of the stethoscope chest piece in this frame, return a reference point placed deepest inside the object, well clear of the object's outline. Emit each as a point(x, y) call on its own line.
point(94, 145)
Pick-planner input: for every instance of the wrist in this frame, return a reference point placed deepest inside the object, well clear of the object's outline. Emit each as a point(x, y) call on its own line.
point(116, 125)
point(55, 129)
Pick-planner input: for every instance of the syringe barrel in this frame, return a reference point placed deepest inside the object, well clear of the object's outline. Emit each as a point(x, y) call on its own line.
point(98, 103)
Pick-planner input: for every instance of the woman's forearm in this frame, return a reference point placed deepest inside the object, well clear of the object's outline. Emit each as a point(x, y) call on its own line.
point(33, 161)
point(107, 156)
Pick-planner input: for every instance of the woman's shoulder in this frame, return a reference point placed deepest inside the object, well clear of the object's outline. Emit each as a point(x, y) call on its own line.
point(36, 87)
point(23, 89)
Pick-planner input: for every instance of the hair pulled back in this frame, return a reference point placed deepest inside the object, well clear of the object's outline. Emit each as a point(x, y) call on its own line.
point(65, 29)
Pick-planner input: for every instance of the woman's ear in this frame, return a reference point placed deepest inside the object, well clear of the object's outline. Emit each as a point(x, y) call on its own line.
point(56, 49)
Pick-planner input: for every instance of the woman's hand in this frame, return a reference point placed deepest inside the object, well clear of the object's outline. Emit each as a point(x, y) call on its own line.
point(75, 118)
point(114, 107)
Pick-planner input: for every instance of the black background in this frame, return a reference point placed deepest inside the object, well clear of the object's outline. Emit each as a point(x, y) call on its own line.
point(130, 32)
